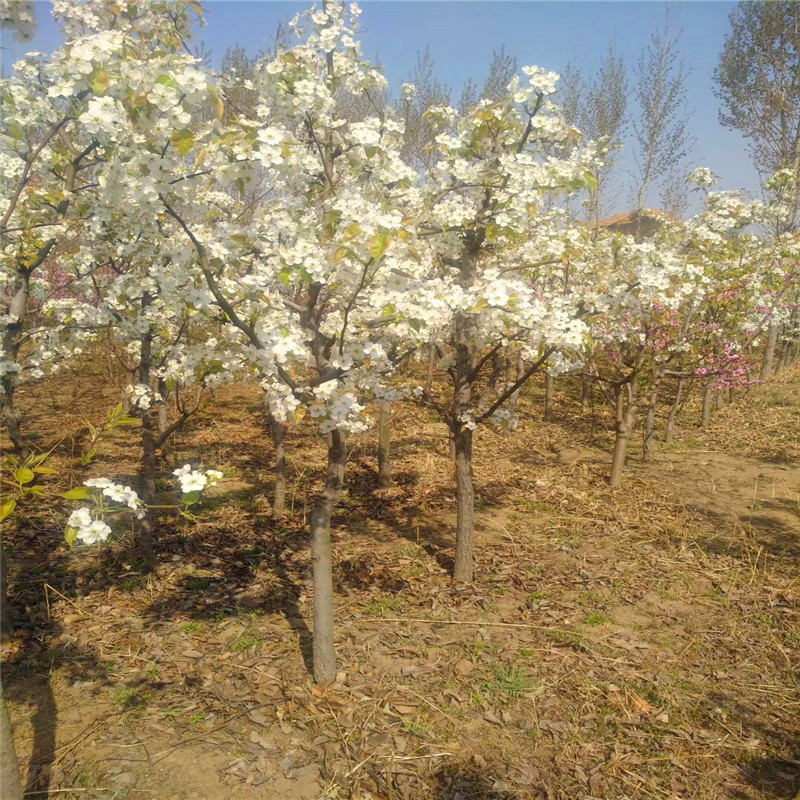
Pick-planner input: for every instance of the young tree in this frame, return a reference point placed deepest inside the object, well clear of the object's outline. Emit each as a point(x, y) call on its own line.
point(502, 256)
point(602, 116)
point(758, 84)
point(662, 139)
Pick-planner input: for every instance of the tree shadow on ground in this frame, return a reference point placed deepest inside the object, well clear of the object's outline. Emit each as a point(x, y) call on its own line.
point(259, 566)
point(776, 775)
point(27, 682)
point(452, 782)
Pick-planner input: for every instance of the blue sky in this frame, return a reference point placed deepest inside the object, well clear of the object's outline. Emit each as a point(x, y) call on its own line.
point(462, 36)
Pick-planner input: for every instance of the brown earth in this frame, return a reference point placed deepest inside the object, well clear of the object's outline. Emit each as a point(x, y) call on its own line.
point(634, 643)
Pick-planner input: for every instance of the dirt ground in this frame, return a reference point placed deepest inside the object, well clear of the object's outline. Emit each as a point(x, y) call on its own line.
point(638, 643)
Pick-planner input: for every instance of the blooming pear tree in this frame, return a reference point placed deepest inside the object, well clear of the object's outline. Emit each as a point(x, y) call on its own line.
point(501, 254)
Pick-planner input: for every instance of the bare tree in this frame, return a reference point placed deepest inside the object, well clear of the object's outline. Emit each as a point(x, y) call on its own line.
point(502, 69)
point(602, 115)
point(758, 84)
point(428, 92)
point(661, 127)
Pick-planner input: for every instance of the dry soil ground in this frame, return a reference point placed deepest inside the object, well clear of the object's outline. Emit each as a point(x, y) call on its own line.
point(641, 643)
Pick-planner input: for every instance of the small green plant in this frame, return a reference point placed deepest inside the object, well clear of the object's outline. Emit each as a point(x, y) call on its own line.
point(566, 637)
point(597, 618)
point(128, 697)
point(525, 651)
point(508, 682)
point(416, 728)
point(479, 646)
point(192, 627)
point(246, 643)
point(172, 712)
point(380, 607)
point(479, 698)
point(196, 719)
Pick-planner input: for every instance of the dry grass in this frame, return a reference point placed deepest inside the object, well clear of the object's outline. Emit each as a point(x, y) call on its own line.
point(639, 643)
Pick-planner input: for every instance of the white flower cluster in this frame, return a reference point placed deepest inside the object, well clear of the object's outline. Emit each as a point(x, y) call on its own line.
point(88, 529)
point(118, 493)
point(702, 176)
point(193, 480)
point(140, 396)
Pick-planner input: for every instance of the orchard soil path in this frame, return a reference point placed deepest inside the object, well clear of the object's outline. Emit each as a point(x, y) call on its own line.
point(638, 643)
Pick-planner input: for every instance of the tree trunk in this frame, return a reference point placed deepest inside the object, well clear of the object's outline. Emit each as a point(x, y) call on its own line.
point(384, 441)
point(498, 368)
point(163, 422)
point(17, 309)
point(767, 366)
point(650, 419)
point(625, 420)
point(548, 397)
point(324, 652)
point(6, 628)
point(586, 394)
point(669, 431)
point(278, 442)
point(461, 410)
point(147, 472)
point(513, 401)
point(708, 396)
point(429, 375)
point(465, 508)
point(9, 766)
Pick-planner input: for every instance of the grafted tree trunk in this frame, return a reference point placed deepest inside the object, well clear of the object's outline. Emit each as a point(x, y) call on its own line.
point(669, 431)
point(465, 508)
point(720, 400)
point(322, 562)
point(625, 400)
point(708, 396)
point(278, 437)
point(768, 365)
point(9, 766)
point(650, 419)
point(548, 397)
point(384, 442)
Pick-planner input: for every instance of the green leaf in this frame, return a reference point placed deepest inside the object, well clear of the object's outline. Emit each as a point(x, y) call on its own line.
point(6, 508)
point(70, 535)
point(127, 421)
point(45, 471)
point(191, 498)
point(78, 493)
point(351, 231)
point(24, 475)
point(183, 141)
point(340, 253)
point(379, 244)
point(168, 81)
point(219, 106)
point(99, 81)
